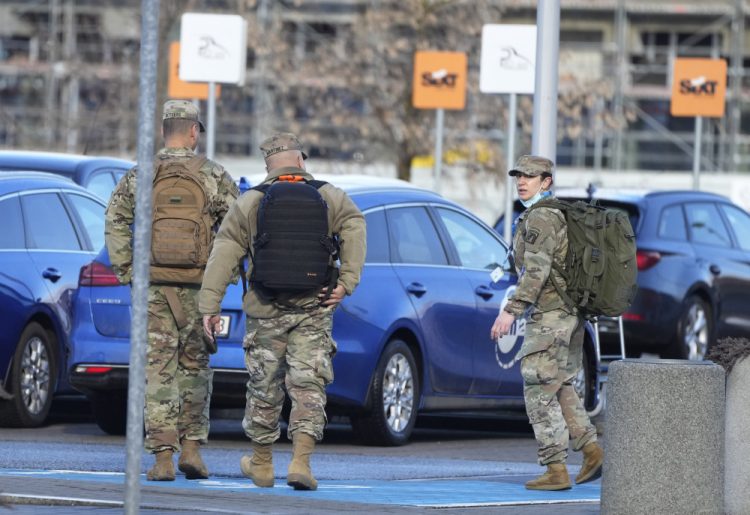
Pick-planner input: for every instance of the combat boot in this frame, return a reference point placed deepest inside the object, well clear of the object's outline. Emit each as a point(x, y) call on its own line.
point(259, 467)
point(593, 458)
point(163, 469)
point(556, 478)
point(191, 463)
point(299, 474)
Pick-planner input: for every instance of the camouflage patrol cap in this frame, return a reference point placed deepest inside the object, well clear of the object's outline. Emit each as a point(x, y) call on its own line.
point(532, 166)
point(184, 110)
point(281, 142)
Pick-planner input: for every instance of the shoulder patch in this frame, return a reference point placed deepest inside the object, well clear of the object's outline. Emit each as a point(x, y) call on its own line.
point(531, 236)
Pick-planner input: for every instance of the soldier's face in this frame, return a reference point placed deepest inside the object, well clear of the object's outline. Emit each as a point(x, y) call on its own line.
point(528, 186)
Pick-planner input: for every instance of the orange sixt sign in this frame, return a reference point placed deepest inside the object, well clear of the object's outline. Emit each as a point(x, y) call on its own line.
point(699, 87)
point(177, 88)
point(439, 80)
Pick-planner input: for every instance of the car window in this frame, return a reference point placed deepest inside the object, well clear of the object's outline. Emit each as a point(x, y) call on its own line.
point(48, 225)
point(476, 247)
point(91, 214)
point(101, 184)
point(672, 224)
point(413, 237)
point(11, 237)
point(377, 237)
point(740, 222)
point(706, 225)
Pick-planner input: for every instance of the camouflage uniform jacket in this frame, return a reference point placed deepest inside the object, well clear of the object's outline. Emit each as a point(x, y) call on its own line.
point(541, 237)
point(120, 212)
point(238, 231)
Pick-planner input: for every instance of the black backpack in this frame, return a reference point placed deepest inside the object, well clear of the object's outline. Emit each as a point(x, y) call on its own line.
point(292, 251)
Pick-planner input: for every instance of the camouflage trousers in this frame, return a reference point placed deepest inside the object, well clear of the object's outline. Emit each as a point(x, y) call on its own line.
point(178, 378)
point(296, 350)
point(552, 360)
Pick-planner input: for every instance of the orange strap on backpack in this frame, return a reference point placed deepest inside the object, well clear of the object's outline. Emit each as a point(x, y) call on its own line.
point(291, 178)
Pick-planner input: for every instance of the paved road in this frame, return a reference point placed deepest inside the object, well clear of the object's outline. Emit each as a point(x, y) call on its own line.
point(455, 465)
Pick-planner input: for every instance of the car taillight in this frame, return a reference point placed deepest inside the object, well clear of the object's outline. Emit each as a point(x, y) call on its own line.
point(87, 369)
point(97, 274)
point(646, 259)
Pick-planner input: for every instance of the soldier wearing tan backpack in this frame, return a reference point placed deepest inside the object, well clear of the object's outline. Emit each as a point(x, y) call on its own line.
point(191, 195)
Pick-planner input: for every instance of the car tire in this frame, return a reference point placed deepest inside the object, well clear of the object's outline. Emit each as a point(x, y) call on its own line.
point(110, 412)
point(394, 398)
point(694, 335)
point(33, 379)
point(584, 382)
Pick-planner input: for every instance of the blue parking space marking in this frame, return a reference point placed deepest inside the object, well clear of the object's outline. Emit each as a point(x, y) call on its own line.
point(433, 493)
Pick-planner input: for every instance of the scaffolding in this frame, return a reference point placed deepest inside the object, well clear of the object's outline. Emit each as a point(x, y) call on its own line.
point(68, 78)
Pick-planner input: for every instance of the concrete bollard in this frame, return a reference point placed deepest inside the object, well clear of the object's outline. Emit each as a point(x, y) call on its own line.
point(737, 452)
point(664, 447)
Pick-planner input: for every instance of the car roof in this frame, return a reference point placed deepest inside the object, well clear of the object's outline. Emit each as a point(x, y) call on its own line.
point(370, 191)
point(72, 165)
point(634, 195)
point(12, 182)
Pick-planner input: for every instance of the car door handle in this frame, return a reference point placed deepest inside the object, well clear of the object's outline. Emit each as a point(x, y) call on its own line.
point(417, 289)
point(715, 269)
point(52, 274)
point(484, 292)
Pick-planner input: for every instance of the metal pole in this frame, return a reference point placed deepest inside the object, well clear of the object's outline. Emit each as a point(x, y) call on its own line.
point(439, 116)
point(544, 135)
point(512, 120)
point(697, 151)
point(211, 129)
point(620, 77)
point(735, 107)
point(141, 252)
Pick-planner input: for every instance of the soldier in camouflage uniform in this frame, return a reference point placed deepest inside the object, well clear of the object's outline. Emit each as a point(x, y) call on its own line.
point(288, 339)
point(551, 355)
point(178, 377)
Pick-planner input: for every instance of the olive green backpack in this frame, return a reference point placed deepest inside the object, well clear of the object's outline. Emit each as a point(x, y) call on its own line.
point(600, 269)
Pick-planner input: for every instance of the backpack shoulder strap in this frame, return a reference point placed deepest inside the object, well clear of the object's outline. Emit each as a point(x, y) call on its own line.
point(317, 184)
point(261, 187)
point(195, 163)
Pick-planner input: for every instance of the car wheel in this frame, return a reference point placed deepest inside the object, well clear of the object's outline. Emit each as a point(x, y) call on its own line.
point(110, 412)
point(33, 378)
point(394, 394)
point(584, 381)
point(694, 330)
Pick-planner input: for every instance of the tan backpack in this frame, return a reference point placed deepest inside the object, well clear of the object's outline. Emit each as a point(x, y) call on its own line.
point(181, 232)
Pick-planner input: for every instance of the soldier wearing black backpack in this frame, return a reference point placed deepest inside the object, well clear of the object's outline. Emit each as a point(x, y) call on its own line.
point(551, 355)
point(305, 240)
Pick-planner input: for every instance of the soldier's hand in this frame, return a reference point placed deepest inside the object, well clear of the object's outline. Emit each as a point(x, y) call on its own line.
point(502, 324)
point(211, 325)
point(337, 295)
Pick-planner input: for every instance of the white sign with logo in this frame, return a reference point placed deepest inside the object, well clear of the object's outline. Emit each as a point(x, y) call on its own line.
point(213, 48)
point(508, 346)
point(508, 59)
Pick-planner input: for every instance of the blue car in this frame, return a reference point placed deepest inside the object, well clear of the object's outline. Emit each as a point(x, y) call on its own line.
point(693, 270)
point(98, 174)
point(51, 228)
point(413, 338)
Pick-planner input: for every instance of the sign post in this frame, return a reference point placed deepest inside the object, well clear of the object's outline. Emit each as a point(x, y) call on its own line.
point(699, 88)
point(212, 49)
point(507, 66)
point(439, 83)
